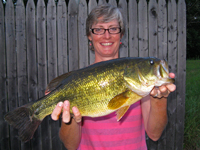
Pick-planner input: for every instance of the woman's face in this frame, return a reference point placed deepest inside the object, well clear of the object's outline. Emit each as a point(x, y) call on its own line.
point(106, 45)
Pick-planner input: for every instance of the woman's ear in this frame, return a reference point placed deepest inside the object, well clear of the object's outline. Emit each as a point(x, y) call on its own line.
point(121, 35)
point(89, 38)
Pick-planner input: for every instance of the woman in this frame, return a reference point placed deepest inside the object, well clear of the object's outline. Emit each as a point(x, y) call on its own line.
point(105, 28)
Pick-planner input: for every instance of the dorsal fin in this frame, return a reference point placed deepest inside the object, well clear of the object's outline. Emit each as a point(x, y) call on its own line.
point(55, 82)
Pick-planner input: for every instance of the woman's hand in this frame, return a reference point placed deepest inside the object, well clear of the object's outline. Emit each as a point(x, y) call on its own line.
point(66, 117)
point(164, 90)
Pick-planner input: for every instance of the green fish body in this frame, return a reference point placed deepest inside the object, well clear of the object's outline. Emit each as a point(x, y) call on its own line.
point(97, 90)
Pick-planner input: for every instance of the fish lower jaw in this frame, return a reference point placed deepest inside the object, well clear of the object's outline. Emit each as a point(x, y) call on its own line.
point(144, 93)
point(143, 90)
point(163, 81)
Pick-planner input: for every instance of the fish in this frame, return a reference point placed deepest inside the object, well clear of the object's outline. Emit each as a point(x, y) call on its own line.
point(96, 90)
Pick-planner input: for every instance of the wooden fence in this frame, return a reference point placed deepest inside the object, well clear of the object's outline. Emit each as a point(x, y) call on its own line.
point(40, 41)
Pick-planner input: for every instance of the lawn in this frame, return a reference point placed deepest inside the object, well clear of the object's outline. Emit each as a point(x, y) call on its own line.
point(192, 106)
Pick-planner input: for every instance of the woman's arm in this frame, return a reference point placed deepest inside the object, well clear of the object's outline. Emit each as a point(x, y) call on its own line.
point(154, 110)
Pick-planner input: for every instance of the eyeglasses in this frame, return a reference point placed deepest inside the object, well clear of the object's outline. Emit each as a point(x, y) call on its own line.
point(100, 31)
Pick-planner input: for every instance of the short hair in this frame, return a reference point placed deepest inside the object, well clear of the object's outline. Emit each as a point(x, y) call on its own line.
point(108, 13)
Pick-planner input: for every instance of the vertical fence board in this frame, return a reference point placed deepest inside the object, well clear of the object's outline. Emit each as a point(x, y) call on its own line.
point(113, 2)
point(21, 53)
point(172, 62)
point(133, 28)
point(62, 37)
point(31, 50)
point(153, 33)
point(102, 2)
point(82, 37)
point(11, 67)
point(51, 40)
point(73, 35)
point(41, 47)
point(31, 61)
point(50, 130)
point(4, 135)
point(143, 28)
point(162, 51)
point(21, 59)
point(122, 5)
point(62, 45)
point(152, 42)
point(91, 5)
point(41, 62)
point(181, 75)
point(162, 29)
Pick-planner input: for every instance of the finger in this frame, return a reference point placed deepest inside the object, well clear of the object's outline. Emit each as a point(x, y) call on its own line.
point(57, 111)
point(47, 92)
point(77, 114)
point(155, 92)
point(171, 87)
point(164, 92)
point(171, 75)
point(159, 92)
point(163, 89)
point(66, 112)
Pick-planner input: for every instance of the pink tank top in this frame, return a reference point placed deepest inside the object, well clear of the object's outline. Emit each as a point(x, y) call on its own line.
point(105, 133)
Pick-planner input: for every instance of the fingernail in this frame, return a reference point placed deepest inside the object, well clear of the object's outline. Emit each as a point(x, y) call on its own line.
point(66, 105)
point(60, 104)
point(75, 109)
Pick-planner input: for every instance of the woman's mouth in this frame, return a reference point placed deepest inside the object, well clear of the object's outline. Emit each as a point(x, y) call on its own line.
point(106, 44)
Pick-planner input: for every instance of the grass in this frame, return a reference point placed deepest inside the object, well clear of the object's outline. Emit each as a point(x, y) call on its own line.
point(192, 106)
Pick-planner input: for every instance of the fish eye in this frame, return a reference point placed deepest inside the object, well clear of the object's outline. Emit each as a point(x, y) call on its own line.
point(151, 62)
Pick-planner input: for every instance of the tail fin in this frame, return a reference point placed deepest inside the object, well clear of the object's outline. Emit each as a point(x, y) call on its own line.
point(25, 122)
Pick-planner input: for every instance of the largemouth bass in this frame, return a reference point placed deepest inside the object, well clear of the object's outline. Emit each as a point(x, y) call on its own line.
point(96, 90)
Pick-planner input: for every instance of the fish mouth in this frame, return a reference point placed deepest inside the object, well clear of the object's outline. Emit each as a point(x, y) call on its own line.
point(163, 72)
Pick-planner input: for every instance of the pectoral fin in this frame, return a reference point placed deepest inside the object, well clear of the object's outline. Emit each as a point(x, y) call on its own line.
point(120, 112)
point(118, 101)
point(122, 102)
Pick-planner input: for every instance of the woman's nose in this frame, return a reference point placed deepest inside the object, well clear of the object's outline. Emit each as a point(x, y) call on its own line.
point(107, 34)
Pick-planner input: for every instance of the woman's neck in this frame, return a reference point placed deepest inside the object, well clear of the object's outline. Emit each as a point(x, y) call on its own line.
point(99, 59)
